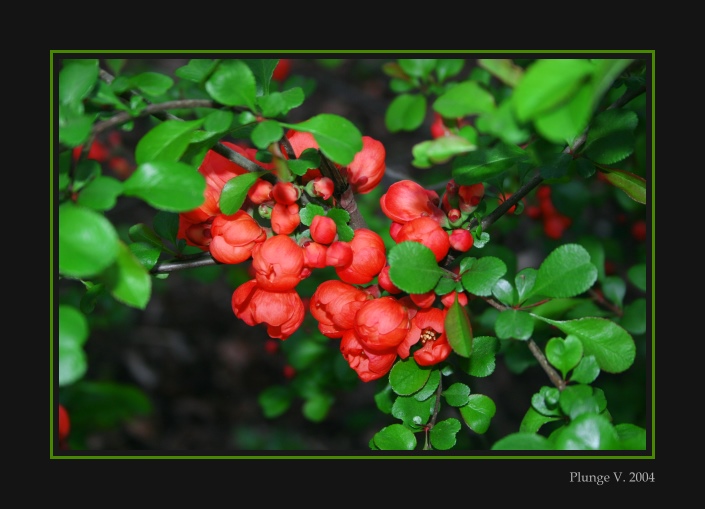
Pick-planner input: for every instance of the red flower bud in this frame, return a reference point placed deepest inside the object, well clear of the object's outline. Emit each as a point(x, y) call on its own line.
point(385, 281)
point(369, 257)
point(234, 237)
point(470, 197)
point(461, 239)
point(286, 193)
point(285, 218)
point(281, 312)
point(367, 168)
point(315, 255)
point(427, 232)
point(368, 365)
point(381, 324)
point(339, 254)
point(323, 229)
point(278, 263)
point(260, 192)
point(334, 305)
point(406, 200)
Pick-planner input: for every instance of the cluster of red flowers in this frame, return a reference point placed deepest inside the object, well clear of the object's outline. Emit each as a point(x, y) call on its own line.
point(554, 223)
point(375, 326)
point(110, 152)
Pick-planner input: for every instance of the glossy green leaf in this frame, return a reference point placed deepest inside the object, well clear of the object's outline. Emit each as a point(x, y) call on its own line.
point(152, 83)
point(337, 137)
point(533, 421)
point(564, 354)
point(413, 267)
point(88, 242)
point(235, 191)
point(548, 83)
point(167, 141)
point(505, 292)
point(418, 67)
point(73, 333)
point(482, 361)
point(503, 124)
point(522, 441)
point(266, 133)
point(218, 121)
point(633, 185)
point(576, 400)
point(274, 401)
point(631, 437)
point(170, 186)
point(588, 432)
point(429, 389)
point(406, 112)
point(443, 434)
point(262, 69)
point(406, 377)
point(458, 329)
point(614, 289)
point(142, 233)
point(634, 317)
point(484, 164)
point(310, 211)
point(565, 123)
point(464, 99)
point(100, 194)
point(566, 272)
point(233, 84)
point(457, 394)
point(514, 324)
point(384, 399)
point(586, 371)
point(448, 68)
point(128, 280)
point(481, 274)
point(637, 276)
point(611, 136)
point(596, 249)
point(76, 79)
point(146, 254)
point(412, 412)
point(478, 413)
point(524, 282)
point(166, 225)
point(395, 437)
point(503, 69)
point(309, 158)
point(442, 149)
point(545, 401)
point(612, 346)
point(196, 70)
point(74, 127)
point(277, 104)
point(317, 407)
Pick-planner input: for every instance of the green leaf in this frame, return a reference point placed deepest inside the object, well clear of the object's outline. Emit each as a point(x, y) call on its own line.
point(566, 272)
point(76, 80)
point(565, 123)
point(233, 84)
point(266, 133)
point(429, 388)
point(515, 324)
point(406, 112)
point(196, 70)
point(533, 421)
point(235, 191)
point(482, 361)
point(218, 121)
point(634, 317)
point(413, 267)
point(167, 141)
point(170, 186)
point(412, 412)
point(595, 247)
point(481, 275)
point(309, 158)
point(274, 401)
point(146, 254)
point(522, 441)
point(100, 194)
point(564, 354)
point(631, 437)
point(547, 84)
point(310, 211)
point(280, 103)
point(588, 432)
point(448, 67)
point(443, 434)
point(152, 83)
point(88, 242)
point(614, 289)
point(74, 128)
point(524, 282)
point(586, 371)
point(442, 149)
point(457, 394)
point(128, 280)
point(142, 233)
point(337, 137)
point(503, 69)
point(341, 218)
point(262, 69)
point(458, 329)
point(395, 437)
point(418, 67)
point(637, 276)
point(478, 413)
point(73, 333)
point(484, 164)
point(576, 400)
point(612, 346)
point(546, 401)
point(316, 408)
point(503, 124)
point(611, 136)
point(406, 377)
point(464, 99)
point(633, 185)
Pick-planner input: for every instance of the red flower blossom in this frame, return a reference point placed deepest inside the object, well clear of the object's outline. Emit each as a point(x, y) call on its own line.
point(285, 218)
point(334, 305)
point(323, 229)
point(369, 257)
point(315, 255)
point(339, 254)
point(428, 327)
point(461, 239)
point(281, 312)
point(366, 170)
point(368, 365)
point(234, 237)
point(406, 200)
point(278, 263)
point(427, 232)
point(381, 324)
point(470, 197)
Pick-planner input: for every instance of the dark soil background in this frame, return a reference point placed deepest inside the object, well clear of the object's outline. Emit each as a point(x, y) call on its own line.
point(202, 369)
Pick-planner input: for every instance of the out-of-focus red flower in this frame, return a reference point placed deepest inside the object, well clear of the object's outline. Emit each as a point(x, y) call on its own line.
point(406, 200)
point(339, 254)
point(438, 127)
point(64, 424)
point(260, 192)
point(381, 324)
point(424, 300)
point(278, 263)
point(98, 151)
point(638, 230)
point(286, 193)
point(234, 237)
point(369, 257)
point(461, 239)
point(285, 218)
point(281, 312)
point(449, 298)
point(427, 232)
point(368, 365)
point(323, 229)
point(502, 198)
point(282, 70)
point(289, 371)
point(470, 197)
point(334, 305)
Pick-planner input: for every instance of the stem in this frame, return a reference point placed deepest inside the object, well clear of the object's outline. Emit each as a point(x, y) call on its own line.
point(552, 373)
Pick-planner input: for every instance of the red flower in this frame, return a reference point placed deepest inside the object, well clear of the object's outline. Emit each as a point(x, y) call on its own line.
point(64, 424)
point(369, 257)
point(368, 365)
point(428, 327)
point(470, 197)
point(234, 237)
point(323, 229)
point(281, 312)
point(285, 218)
point(315, 255)
point(278, 263)
point(406, 200)
point(286, 193)
point(427, 232)
point(334, 305)
point(381, 324)
point(386, 282)
point(367, 167)
point(282, 69)
point(339, 254)
point(461, 239)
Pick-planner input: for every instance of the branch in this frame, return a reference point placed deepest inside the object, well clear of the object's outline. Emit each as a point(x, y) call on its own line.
point(152, 109)
point(552, 373)
point(186, 262)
